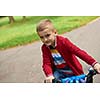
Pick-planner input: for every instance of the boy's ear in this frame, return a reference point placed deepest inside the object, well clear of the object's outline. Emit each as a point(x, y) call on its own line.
point(55, 31)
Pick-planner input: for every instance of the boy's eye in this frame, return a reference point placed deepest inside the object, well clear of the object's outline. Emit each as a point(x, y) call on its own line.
point(47, 35)
point(41, 37)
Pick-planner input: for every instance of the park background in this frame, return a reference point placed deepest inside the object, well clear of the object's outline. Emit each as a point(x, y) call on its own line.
point(41, 91)
point(21, 30)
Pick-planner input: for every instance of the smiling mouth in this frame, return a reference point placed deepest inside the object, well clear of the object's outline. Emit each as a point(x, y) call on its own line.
point(47, 43)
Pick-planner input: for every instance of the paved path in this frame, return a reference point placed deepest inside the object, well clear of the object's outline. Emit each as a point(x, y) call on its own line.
point(23, 64)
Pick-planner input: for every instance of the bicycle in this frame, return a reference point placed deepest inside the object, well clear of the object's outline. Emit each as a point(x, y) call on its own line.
point(83, 78)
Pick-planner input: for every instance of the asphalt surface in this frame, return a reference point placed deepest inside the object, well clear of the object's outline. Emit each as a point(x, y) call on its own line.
point(23, 64)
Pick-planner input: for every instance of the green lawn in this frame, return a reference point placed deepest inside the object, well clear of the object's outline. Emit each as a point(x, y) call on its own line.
point(23, 31)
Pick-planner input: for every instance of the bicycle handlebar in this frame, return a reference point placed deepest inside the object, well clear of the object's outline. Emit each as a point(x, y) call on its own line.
point(78, 79)
point(90, 75)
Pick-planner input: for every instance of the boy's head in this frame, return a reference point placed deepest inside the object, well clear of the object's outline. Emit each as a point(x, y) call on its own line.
point(46, 32)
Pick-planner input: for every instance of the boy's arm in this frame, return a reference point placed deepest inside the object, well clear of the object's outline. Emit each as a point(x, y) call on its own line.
point(47, 66)
point(83, 55)
point(80, 53)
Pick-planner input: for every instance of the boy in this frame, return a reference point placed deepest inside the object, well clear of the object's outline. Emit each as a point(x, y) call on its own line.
point(59, 54)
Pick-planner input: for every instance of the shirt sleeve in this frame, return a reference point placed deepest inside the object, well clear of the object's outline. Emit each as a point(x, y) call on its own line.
point(80, 53)
point(47, 66)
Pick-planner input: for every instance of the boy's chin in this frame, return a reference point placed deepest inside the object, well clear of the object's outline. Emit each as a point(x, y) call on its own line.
point(48, 44)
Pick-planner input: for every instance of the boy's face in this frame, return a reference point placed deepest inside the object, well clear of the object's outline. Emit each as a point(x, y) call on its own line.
point(47, 37)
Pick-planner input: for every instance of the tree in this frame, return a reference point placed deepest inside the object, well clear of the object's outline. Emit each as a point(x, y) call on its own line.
point(11, 19)
point(24, 17)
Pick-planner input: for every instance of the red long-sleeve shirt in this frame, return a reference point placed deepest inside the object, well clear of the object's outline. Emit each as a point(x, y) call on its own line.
point(69, 52)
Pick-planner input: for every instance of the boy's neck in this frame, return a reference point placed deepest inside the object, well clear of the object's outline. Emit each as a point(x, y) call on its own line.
point(54, 45)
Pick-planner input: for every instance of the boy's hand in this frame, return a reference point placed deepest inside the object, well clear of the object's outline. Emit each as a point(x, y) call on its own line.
point(97, 67)
point(49, 79)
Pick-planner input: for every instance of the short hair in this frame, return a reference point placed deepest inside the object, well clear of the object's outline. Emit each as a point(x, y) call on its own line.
point(45, 24)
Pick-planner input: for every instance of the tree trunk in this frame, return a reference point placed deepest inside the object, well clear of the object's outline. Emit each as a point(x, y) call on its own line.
point(11, 19)
point(24, 17)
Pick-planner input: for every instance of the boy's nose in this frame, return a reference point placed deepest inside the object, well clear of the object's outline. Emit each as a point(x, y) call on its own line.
point(45, 39)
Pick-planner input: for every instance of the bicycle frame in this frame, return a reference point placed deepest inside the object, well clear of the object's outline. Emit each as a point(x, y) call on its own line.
point(78, 79)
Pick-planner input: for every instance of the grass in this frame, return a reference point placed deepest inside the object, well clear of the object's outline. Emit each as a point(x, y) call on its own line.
point(23, 31)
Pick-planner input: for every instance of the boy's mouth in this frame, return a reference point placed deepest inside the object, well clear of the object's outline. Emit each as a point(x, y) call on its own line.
point(48, 43)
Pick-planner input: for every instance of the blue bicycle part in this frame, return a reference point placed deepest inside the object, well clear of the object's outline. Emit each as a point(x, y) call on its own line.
point(74, 79)
point(84, 78)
